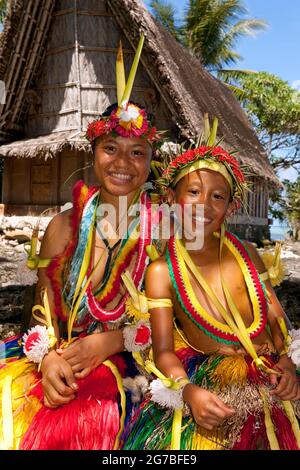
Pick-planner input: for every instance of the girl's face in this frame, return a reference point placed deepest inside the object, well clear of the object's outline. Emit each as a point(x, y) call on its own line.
point(212, 191)
point(122, 165)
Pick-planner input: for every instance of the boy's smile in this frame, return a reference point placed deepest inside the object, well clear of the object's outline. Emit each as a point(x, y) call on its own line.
point(208, 189)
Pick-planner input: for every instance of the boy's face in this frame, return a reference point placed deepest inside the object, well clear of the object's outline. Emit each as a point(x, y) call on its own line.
point(212, 191)
point(122, 164)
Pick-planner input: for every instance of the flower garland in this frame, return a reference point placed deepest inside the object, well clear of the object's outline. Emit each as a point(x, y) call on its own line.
point(191, 306)
point(128, 121)
point(207, 153)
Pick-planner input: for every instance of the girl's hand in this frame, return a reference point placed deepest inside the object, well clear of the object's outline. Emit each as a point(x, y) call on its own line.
point(58, 380)
point(208, 410)
point(85, 354)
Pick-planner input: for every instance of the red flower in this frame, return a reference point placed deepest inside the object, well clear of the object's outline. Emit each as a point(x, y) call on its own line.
point(142, 335)
point(32, 338)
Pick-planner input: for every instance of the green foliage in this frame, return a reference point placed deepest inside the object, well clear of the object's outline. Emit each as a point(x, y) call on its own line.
point(287, 205)
point(212, 29)
point(3, 7)
point(273, 106)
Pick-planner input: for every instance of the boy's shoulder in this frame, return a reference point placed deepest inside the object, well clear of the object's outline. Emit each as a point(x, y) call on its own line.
point(158, 270)
point(255, 257)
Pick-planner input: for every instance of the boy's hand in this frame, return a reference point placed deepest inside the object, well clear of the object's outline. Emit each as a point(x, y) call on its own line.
point(58, 381)
point(208, 410)
point(86, 354)
point(287, 386)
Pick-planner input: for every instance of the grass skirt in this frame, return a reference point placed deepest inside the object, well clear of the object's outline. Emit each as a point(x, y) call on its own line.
point(91, 421)
point(240, 385)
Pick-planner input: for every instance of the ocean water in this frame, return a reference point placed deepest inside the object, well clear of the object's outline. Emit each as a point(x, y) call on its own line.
point(278, 232)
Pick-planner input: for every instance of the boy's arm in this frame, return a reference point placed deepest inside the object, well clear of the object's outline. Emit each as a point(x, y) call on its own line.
point(158, 286)
point(208, 410)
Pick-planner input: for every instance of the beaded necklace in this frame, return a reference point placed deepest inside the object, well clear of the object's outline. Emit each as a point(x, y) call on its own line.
point(190, 305)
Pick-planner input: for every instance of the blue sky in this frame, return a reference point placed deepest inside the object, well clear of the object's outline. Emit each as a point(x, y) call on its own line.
point(275, 50)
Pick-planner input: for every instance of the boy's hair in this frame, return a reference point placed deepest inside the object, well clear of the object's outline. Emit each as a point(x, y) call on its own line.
point(214, 158)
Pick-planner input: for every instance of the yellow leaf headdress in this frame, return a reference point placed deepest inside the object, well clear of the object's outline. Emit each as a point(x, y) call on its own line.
point(126, 119)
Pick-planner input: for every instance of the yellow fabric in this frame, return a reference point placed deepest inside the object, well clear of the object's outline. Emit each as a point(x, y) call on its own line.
point(119, 380)
point(231, 370)
point(7, 415)
point(234, 321)
point(47, 321)
point(205, 164)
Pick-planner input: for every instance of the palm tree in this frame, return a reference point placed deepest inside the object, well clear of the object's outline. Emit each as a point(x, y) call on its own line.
point(3, 8)
point(213, 27)
point(211, 30)
point(164, 12)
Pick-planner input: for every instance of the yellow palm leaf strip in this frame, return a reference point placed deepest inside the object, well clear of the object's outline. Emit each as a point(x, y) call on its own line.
point(213, 133)
point(268, 423)
point(176, 429)
point(247, 343)
point(120, 74)
point(76, 306)
point(119, 381)
point(130, 81)
point(289, 410)
point(228, 319)
point(82, 274)
point(239, 330)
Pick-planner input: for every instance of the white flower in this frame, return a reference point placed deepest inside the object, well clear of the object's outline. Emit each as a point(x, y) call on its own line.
point(295, 357)
point(36, 343)
point(294, 334)
point(164, 396)
point(129, 114)
point(294, 347)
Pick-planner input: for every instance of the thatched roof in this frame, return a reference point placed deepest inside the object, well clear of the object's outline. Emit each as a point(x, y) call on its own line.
point(46, 146)
point(187, 88)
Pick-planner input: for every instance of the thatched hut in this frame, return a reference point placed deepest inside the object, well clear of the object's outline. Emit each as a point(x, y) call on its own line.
point(57, 59)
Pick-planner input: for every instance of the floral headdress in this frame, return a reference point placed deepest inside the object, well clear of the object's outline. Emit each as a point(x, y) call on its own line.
point(208, 156)
point(126, 119)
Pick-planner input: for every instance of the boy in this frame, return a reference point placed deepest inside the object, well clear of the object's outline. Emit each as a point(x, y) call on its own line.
point(228, 371)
